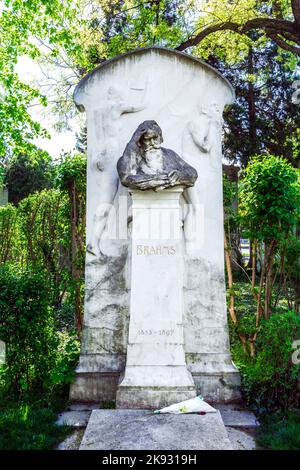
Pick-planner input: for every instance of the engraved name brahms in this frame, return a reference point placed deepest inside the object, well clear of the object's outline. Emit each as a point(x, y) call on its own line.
point(155, 250)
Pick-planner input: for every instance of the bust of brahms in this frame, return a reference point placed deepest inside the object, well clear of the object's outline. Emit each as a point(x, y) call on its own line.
point(146, 165)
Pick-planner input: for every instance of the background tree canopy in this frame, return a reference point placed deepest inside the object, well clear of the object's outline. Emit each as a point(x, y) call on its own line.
point(254, 43)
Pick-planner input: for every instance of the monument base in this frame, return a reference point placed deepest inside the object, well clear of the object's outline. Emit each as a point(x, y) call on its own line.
point(152, 398)
point(100, 387)
point(219, 388)
point(94, 387)
point(216, 378)
point(97, 378)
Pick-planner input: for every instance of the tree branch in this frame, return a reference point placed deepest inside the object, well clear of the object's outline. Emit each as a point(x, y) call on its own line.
point(273, 28)
point(193, 41)
point(296, 11)
point(284, 45)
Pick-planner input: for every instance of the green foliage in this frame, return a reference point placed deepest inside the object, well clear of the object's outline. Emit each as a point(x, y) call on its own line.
point(25, 25)
point(75, 37)
point(71, 178)
point(72, 169)
point(48, 230)
point(23, 427)
point(39, 360)
point(263, 117)
point(228, 45)
point(45, 230)
point(10, 242)
point(66, 359)
point(232, 43)
point(280, 431)
point(26, 174)
point(230, 207)
point(27, 328)
point(152, 23)
point(270, 379)
point(269, 198)
point(245, 308)
point(229, 195)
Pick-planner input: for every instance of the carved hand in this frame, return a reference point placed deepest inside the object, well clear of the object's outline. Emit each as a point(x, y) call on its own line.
point(174, 177)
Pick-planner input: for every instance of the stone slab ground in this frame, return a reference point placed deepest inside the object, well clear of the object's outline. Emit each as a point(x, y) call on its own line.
point(141, 429)
point(75, 419)
point(240, 425)
point(241, 439)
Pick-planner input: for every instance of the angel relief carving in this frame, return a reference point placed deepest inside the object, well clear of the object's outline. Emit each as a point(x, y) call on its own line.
point(201, 131)
point(107, 127)
point(201, 139)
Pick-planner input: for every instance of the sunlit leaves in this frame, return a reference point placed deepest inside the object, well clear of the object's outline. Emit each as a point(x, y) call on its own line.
point(269, 198)
point(24, 26)
point(232, 46)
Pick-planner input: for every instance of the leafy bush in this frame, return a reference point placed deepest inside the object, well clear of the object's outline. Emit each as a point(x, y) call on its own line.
point(27, 328)
point(45, 230)
point(67, 355)
point(269, 198)
point(23, 428)
point(72, 168)
point(38, 359)
point(10, 242)
point(270, 379)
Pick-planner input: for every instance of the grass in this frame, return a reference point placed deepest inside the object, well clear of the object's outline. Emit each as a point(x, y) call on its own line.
point(24, 427)
point(280, 431)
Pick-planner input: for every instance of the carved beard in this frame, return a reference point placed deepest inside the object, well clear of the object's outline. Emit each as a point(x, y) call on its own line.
point(153, 161)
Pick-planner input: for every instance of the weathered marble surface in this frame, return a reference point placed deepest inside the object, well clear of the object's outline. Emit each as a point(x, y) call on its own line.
point(156, 374)
point(186, 98)
point(142, 430)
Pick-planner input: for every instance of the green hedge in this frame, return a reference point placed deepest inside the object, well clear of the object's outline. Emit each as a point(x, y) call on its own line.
point(38, 358)
point(271, 379)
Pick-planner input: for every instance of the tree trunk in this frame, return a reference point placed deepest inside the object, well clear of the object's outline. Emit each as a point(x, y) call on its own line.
point(268, 282)
point(259, 310)
point(251, 106)
point(253, 244)
point(230, 280)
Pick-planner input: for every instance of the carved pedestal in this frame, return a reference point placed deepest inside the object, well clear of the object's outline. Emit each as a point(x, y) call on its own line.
point(156, 374)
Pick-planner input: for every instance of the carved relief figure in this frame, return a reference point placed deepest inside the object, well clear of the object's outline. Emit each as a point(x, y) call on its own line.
point(146, 165)
point(200, 140)
point(107, 128)
point(201, 130)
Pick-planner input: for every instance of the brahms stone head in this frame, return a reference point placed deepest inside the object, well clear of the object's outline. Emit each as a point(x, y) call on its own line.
point(146, 165)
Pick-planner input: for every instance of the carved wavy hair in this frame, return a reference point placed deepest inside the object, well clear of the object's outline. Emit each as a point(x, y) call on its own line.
point(132, 151)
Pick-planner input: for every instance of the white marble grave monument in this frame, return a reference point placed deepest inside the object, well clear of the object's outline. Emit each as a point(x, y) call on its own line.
point(156, 373)
point(138, 282)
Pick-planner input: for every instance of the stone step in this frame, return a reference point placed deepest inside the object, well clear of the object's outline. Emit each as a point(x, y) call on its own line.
point(144, 430)
point(82, 406)
point(237, 416)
